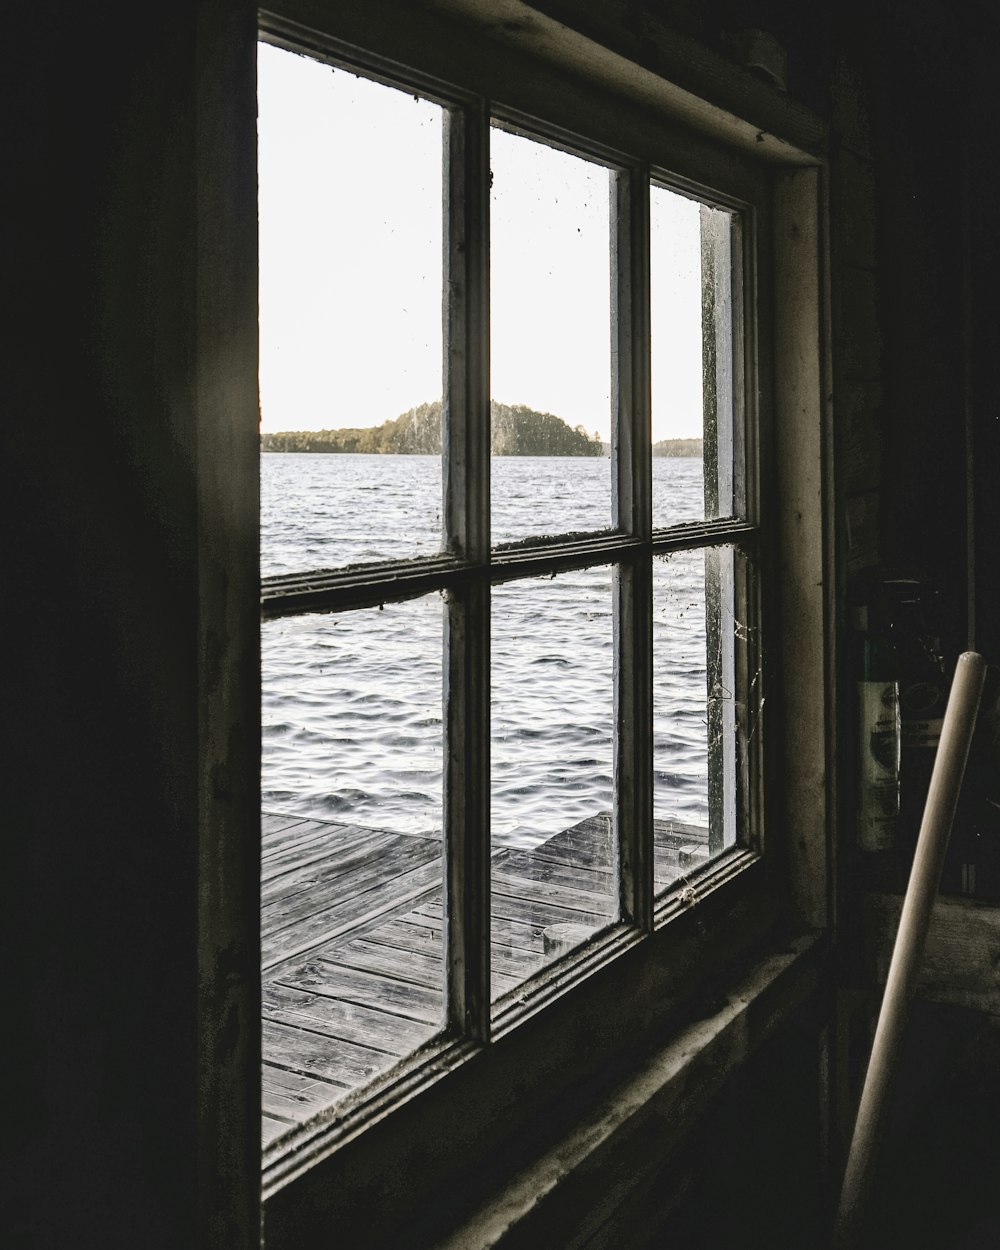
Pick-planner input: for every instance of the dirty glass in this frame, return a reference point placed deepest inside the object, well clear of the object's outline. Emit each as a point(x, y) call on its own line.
point(695, 634)
point(550, 354)
point(351, 877)
point(691, 359)
point(553, 865)
point(351, 274)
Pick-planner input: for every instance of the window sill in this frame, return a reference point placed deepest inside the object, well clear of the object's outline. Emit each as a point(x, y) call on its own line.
point(660, 1102)
point(376, 1172)
point(725, 896)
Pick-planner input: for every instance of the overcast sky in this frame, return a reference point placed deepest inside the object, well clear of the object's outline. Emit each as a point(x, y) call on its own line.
point(350, 265)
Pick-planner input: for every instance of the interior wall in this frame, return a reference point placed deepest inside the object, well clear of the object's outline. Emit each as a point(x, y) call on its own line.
point(752, 1173)
point(983, 312)
point(762, 1152)
point(919, 151)
point(104, 693)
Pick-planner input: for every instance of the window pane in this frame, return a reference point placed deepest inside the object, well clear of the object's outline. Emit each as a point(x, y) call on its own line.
point(554, 882)
point(694, 710)
point(550, 355)
point(350, 317)
point(328, 511)
point(351, 796)
point(692, 359)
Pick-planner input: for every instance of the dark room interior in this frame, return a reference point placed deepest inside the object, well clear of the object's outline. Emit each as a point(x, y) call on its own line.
point(689, 1079)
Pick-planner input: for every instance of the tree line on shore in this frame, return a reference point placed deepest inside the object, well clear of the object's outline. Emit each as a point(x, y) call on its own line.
point(679, 447)
point(515, 430)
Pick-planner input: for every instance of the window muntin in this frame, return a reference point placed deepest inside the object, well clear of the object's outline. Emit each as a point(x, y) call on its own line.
point(461, 919)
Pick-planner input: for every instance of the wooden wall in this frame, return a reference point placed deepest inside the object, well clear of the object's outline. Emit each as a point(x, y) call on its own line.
point(110, 822)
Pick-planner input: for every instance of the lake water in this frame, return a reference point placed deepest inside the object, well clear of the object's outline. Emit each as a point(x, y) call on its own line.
point(352, 702)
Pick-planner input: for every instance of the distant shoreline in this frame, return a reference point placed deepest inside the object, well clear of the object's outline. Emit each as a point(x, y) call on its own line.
point(670, 448)
point(515, 430)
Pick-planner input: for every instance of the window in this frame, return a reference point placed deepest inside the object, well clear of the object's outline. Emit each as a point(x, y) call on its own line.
point(522, 786)
point(515, 609)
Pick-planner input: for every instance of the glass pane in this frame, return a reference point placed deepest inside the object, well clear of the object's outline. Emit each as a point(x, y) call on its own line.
point(550, 355)
point(554, 881)
point(351, 795)
point(351, 279)
point(694, 710)
point(692, 359)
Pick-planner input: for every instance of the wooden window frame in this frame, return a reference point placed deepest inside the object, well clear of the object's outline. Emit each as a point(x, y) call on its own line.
point(645, 969)
point(470, 566)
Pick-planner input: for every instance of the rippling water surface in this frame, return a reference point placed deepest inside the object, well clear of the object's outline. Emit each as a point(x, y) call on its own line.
point(352, 702)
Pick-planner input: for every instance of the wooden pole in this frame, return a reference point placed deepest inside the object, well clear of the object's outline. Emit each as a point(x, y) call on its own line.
point(914, 921)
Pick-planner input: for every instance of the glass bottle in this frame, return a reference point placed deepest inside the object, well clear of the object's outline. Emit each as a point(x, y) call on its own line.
point(878, 737)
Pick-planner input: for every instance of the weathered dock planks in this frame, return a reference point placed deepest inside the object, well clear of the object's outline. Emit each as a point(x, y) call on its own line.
point(352, 936)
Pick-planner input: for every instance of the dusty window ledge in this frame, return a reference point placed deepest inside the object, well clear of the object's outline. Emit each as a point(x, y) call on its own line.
point(663, 1099)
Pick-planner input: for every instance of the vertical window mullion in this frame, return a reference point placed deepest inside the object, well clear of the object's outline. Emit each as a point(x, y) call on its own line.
point(632, 486)
point(717, 391)
point(466, 459)
point(747, 229)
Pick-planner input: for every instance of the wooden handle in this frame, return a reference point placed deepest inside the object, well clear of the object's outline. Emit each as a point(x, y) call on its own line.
point(914, 921)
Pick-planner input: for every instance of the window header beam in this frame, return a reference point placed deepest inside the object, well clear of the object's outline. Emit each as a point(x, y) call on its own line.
point(479, 45)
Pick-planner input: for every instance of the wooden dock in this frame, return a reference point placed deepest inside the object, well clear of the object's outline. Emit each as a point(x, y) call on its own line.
point(352, 941)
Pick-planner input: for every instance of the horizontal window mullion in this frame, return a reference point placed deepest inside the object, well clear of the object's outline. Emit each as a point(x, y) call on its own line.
point(537, 559)
point(574, 551)
point(703, 534)
point(341, 590)
point(554, 556)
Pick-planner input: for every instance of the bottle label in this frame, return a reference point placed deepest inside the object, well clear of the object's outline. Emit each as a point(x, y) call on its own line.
point(878, 703)
point(922, 734)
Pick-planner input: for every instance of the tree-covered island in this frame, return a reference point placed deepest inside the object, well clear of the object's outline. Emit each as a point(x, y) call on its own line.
point(679, 447)
point(515, 430)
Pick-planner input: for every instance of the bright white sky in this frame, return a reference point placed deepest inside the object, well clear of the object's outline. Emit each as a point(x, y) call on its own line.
point(350, 265)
